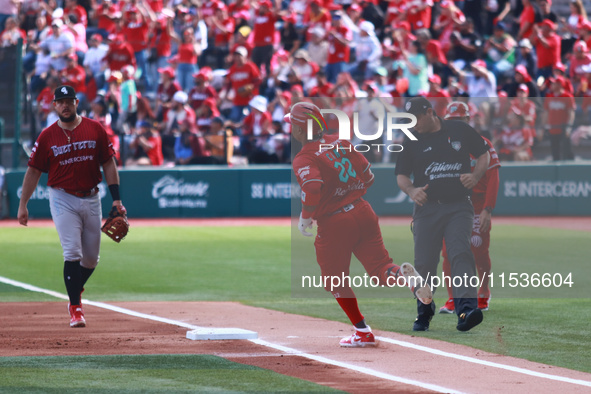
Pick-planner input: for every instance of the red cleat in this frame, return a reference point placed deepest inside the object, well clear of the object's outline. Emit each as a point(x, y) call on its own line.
point(361, 338)
point(483, 302)
point(76, 316)
point(449, 307)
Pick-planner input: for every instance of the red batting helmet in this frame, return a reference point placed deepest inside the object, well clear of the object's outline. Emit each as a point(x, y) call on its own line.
point(301, 112)
point(457, 109)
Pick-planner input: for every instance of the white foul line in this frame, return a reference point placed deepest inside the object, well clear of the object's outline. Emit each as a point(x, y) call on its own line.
point(320, 358)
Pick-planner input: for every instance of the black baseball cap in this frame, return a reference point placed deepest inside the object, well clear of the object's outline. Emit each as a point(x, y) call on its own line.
point(417, 106)
point(64, 92)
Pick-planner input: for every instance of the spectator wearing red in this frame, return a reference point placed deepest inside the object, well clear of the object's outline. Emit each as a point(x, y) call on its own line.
point(547, 44)
point(241, 39)
point(160, 48)
point(527, 108)
point(323, 88)
point(202, 89)
point(243, 82)
point(394, 13)
point(11, 34)
point(74, 75)
point(440, 96)
point(585, 33)
point(205, 113)
point(559, 70)
point(256, 128)
point(237, 7)
point(264, 33)
point(559, 113)
point(571, 26)
point(73, 8)
point(167, 87)
point(45, 110)
point(339, 40)
point(514, 144)
point(526, 20)
point(578, 60)
point(146, 146)
point(223, 28)
point(449, 19)
point(314, 17)
point(136, 28)
point(104, 14)
point(418, 14)
point(189, 51)
point(401, 41)
point(120, 54)
point(178, 113)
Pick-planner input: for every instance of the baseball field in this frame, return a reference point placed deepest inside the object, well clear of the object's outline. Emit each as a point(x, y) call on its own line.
point(168, 277)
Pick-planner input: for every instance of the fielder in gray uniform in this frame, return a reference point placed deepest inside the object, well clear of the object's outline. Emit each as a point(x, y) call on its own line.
point(71, 151)
point(439, 161)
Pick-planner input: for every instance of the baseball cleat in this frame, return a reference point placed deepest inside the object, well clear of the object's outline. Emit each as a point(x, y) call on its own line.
point(469, 320)
point(415, 282)
point(449, 307)
point(76, 316)
point(361, 338)
point(423, 320)
point(483, 302)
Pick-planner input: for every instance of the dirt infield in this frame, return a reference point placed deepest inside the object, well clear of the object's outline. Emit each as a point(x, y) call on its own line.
point(41, 329)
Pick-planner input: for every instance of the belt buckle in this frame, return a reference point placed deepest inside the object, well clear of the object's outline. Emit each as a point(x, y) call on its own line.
point(348, 207)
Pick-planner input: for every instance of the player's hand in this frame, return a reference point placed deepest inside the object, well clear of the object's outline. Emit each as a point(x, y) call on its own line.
point(468, 180)
point(305, 224)
point(419, 195)
point(23, 215)
point(484, 221)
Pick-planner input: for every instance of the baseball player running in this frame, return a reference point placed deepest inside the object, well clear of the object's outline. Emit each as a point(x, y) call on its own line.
point(333, 178)
point(484, 199)
point(71, 151)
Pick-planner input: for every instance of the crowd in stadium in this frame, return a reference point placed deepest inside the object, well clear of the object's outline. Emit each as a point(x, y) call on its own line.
point(208, 82)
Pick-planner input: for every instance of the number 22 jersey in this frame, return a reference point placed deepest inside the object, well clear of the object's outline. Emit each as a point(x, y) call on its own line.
point(342, 173)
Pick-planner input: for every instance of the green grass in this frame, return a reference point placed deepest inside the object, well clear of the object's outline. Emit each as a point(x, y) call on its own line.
point(143, 374)
point(252, 265)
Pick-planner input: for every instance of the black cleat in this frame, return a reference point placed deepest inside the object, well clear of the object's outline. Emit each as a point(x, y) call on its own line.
point(426, 313)
point(467, 321)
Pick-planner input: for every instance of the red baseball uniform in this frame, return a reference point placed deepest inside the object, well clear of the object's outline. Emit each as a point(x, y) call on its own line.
point(484, 194)
point(73, 163)
point(347, 224)
point(558, 109)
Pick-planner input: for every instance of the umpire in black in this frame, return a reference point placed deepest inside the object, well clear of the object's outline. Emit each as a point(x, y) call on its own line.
point(440, 162)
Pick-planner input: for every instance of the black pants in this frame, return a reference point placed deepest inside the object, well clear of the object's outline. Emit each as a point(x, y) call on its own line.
point(263, 55)
point(561, 147)
point(434, 222)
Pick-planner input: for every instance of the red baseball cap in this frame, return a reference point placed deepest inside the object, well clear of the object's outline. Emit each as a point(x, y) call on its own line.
point(523, 71)
point(560, 67)
point(549, 23)
point(97, 38)
point(168, 71)
point(435, 79)
point(456, 109)
point(523, 87)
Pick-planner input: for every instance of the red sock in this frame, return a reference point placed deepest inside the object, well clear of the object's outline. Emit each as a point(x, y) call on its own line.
point(349, 305)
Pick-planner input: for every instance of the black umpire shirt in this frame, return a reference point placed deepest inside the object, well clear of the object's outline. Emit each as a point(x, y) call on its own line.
point(439, 158)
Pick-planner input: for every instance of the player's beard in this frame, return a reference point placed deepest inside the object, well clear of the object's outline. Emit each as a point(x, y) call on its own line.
point(69, 119)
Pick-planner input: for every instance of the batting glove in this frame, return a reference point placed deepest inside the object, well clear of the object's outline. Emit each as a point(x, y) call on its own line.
point(305, 224)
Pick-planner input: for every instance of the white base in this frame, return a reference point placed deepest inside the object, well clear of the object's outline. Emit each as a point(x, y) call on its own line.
point(213, 334)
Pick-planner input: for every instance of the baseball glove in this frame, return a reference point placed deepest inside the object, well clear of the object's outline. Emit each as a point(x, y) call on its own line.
point(116, 227)
point(246, 90)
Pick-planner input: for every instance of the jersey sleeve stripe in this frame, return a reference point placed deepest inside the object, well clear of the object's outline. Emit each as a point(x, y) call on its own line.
point(313, 180)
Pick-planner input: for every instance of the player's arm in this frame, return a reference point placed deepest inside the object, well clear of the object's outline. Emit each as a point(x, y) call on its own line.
point(29, 184)
point(112, 177)
point(471, 179)
point(492, 189)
